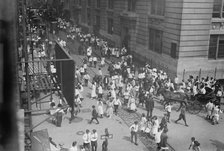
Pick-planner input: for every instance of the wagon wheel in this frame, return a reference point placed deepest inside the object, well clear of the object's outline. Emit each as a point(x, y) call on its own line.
point(194, 107)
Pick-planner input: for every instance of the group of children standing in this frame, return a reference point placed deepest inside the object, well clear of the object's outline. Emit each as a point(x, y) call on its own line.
point(213, 112)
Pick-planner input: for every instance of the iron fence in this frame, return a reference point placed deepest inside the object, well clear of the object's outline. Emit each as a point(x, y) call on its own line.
point(215, 73)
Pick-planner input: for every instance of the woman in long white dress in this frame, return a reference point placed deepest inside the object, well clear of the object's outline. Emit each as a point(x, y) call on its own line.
point(110, 108)
point(131, 104)
point(100, 108)
point(155, 126)
point(93, 92)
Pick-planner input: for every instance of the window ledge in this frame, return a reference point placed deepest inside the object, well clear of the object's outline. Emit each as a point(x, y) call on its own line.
point(156, 16)
point(110, 10)
point(128, 14)
point(77, 7)
point(217, 19)
point(217, 59)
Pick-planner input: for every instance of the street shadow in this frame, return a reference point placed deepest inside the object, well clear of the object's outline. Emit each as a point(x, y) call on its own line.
point(181, 122)
point(86, 110)
point(127, 138)
point(75, 120)
point(219, 145)
point(88, 95)
point(159, 107)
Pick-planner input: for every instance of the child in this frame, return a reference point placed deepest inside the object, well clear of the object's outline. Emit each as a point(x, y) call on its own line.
point(215, 115)
point(209, 107)
point(86, 78)
point(148, 127)
point(90, 61)
point(102, 62)
point(194, 144)
point(94, 115)
point(100, 108)
point(143, 123)
point(168, 109)
point(95, 61)
point(215, 119)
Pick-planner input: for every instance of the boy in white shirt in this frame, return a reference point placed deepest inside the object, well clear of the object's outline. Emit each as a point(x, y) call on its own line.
point(168, 109)
point(94, 61)
point(134, 130)
point(209, 107)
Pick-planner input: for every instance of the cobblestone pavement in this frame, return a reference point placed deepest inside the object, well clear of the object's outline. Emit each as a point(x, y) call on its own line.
point(129, 119)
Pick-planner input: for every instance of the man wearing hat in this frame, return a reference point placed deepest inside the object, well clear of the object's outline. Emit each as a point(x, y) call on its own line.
point(86, 140)
point(94, 115)
point(93, 139)
point(149, 104)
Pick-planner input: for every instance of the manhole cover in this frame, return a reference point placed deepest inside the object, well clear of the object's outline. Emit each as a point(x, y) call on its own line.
point(86, 110)
point(80, 132)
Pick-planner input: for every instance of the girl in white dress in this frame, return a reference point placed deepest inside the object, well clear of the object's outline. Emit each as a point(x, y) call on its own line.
point(148, 127)
point(110, 108)
point(155, 126)
point(100, 108)
point(131, 104)
point(93, 92)
point(102, 62)
point(143, 123)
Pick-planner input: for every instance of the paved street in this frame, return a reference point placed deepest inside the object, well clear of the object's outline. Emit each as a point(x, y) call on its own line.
point(211, 137)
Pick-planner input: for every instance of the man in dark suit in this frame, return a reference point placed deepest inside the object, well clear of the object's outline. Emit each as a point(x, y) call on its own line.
point(149, 105)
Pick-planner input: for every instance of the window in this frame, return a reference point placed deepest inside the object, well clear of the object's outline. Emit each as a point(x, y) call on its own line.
point(173, 50)
point(217, 9)
point(158, 7)
point(97, 3)
point(223, 10)
point(111, 4)
point(79, 2)
point(88, 17)
point(89, 3)
point(155, 40)
point(216, 47)
point(110, 26)
point(98, 21)
point(131, 5)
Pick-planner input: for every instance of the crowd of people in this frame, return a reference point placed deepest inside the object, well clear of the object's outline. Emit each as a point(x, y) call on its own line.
point(129, 87)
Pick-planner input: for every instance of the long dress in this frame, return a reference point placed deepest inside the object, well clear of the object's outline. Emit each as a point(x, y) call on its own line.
point(131, 104)
point(155, 127)
point(93, 92)
point(110, 109)
point(148, 127)
point(143, 123)
point(100, 107)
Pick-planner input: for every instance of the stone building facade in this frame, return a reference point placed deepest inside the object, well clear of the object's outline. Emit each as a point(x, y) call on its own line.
point(182, 37)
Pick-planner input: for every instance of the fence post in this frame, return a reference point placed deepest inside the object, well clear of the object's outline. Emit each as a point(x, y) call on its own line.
point(199, 75)
point(215, 73)
point(183, 75)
